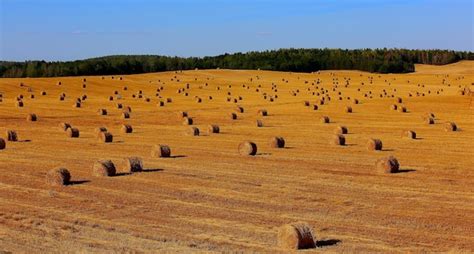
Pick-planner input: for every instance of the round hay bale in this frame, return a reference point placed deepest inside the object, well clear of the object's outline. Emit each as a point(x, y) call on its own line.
point(306, 103)
point(409, 134)
point(240, 109)
point(263, 112)
point(387, 165)
point(277, 142)
point(233, 116)
point(247, 148)
point(374, 144)
point(399, 100)
point(58, 177)
point(315, 107)
point(161, 151)
point(132, 164)
point(324, 119)
point(341, 130)
point(259, 123)
point(393, 107)
point(64, 126)
point(296, 236)
point(450, 126)
point(127, 109)
point(99, 130)
point(102, 112)
point(125, 115)
point(19, 104)
point(187, 121)
point(12, 136)
point(3, 144)
point(348, 109)
point(105, 137)
point(161, 104)
point(119, 105)
point(182, 114)
point(213, 128)
point(103, 168)
point(32, 117)
point(355, 101)
point(338, 139)
point(169, 100)
point(72, 132)
point(127, 128)
point(77, 104)
point(429, 120)
point(192, 131)
point(402, 109)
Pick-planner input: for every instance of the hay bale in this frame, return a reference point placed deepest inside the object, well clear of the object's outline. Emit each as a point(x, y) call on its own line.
point(259, 123)
point(233, 116)
point(132, 164)
point(103, 168)
point(263, 112)
point(402, 109)
point(393, 107)
point(12, 136)
point(355, 101)
point(277, 142)
point(77, 104)
point(374, 144)
point(64, 126)
point(306, 103)
point(105, 137)
point(192, 131)
point(187, 121)
point(72, 132)
point(102, 112)
point(32, 117)
point(429, 120)
point(125, 115)
point(409, 134)
point(341, 130)
point(161, 104)
point(348, 109)
point(315, 107)
point(161, 151)
point(99, 130)
point(182, 114)
point(247, 148)
point(399, 100)
point(296, 236)
point(58, 177)
point(213, 128)
point(119, 105)
point(239, 109)
point(3, 144)
point(450, 126)
point(387, 165)
point(338, 139)
point(324, 119)
point(127, 128)
point(19, 104)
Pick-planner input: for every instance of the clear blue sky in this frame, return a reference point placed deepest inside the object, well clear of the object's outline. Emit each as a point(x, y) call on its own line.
point(78, 29)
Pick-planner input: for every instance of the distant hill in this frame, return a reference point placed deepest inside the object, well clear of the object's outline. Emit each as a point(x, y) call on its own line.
point(461, 67)
point(296, 60)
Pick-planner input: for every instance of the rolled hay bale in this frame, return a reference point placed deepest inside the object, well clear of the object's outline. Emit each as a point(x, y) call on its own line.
point(259, 123)
point(355, 101)
point(213, 128)
point(192, 131)
point(132, 164)
point(77, 104)
point(399, 100)
point(233, 116)
point(43, 93)
point(182, 114)
point(374, 144)
point(348, 109)
point(103, 168)
point(127, 109)
point(315, 107)
point(450, 126)
point(106, 137)
point(119, 105)
point(99, 130)
point(102, 112)
point(338, 140)
point(12, 136)
point(111, 98)
point(306, 103)
point(127, 128)
point(393, 107)
point(3, 144)
point(198, 100)
point(19, 104)
point(61, 97)
point(239, 109)
point(58, 177)
point(402, 109)
point(32, 96)
point(248, 148)
point(169, 100)
point(262, 112)
point(409, 134)
point(125, 115)
point(64, 126)
point(161, 104)
point(32, 117)
point(72, 132)
point(187, 121)
point(277, 142)
point(341, 130)
point(324, 119)
point(387, 165)
point(429, 120)
point(296, 236)
point(161, 151)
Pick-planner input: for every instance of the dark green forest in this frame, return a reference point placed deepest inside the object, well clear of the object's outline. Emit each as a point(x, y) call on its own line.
point(295, 60)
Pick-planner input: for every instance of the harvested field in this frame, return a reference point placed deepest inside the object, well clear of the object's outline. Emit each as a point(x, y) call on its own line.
point(207, 197)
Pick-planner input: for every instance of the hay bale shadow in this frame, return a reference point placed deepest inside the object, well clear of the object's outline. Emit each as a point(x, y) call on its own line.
point(325, 243)
point(387, 150)
point(177, 156)
point(78, 182)
point(121, 174)
point(25, 140)
point(407, 170)
point(152, 170)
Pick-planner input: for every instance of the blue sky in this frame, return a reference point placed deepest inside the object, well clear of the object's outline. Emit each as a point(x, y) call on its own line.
point(78, 29)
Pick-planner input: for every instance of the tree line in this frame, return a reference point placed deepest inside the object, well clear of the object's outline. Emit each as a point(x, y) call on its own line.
point(295, 60)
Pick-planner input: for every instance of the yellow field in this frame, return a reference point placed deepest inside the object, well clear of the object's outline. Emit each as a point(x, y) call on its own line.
point(208, 198)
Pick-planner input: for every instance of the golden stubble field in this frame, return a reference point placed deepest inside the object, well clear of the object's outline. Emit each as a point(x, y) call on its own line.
point(207, 197)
